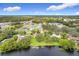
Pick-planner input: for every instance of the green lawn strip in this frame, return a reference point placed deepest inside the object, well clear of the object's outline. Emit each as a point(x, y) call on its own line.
point(35, 43)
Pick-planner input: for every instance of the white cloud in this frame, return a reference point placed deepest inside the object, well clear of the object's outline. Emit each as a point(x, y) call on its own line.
point(12, 9)
point(77, 13)
point(62, 6)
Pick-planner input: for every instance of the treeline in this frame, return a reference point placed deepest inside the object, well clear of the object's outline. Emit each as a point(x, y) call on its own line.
point(35, 18)
point(14, 18)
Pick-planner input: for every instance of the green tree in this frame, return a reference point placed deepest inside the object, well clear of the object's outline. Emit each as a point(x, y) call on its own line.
point(3, 36)
point(67, 44)
point(10, 30)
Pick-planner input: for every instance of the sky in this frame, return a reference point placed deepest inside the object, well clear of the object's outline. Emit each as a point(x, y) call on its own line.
point(39, 9)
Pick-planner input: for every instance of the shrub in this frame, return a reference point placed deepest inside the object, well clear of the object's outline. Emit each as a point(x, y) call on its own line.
point(39, 37)
point(10, 30)
point(67, 44)
point(3, 36)
point(21, 32)
point(12, 44)
point(9, 45)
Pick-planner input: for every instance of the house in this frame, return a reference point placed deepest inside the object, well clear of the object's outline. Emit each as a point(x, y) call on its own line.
point(76, 39)
point(60, 25)
point(21, 37)
point(2, 25)
point(67, 19)
point(55, 35)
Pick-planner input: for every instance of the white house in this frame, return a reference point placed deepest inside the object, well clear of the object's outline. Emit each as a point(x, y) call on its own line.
point(55, 35)
point(21, 37)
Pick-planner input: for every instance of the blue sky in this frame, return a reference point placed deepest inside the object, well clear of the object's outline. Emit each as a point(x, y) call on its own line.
point(39, 9)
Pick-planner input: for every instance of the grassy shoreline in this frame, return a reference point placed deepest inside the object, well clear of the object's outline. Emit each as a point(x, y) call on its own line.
point(35, 43)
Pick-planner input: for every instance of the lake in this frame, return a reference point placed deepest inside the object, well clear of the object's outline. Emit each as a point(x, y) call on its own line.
point(44, 51)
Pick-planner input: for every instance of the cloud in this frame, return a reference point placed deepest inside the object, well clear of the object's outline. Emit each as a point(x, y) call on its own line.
point(62, 6)
point(77, 13)
point(12, 9)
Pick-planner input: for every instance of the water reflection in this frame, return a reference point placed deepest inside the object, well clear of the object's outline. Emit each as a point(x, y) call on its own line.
point(42, 51)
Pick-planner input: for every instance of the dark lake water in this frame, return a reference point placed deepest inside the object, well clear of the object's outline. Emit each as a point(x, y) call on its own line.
point(45, 51)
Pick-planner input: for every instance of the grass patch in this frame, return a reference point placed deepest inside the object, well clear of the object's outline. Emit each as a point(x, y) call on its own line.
point(36, 43)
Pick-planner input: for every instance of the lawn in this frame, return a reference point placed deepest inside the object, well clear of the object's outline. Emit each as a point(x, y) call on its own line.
point(36, 43)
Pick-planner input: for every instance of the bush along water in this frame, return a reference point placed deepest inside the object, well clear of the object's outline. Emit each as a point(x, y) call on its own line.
point(14, 44)
point(67, 45)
